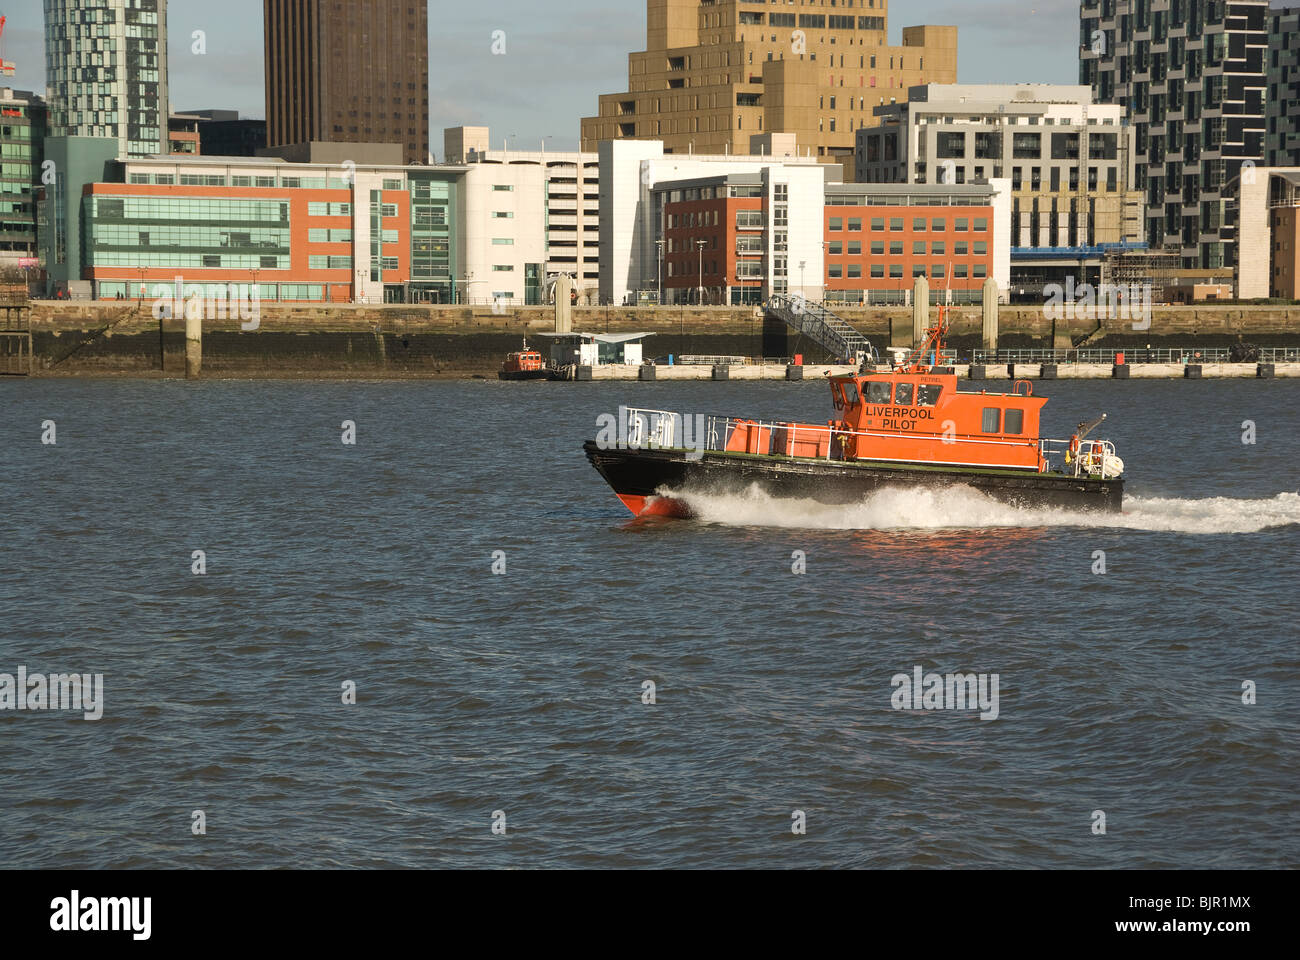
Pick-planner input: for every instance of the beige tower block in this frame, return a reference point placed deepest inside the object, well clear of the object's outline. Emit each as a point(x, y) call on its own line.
point(708, 82)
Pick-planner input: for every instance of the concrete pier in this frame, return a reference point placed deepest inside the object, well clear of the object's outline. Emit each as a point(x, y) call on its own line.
point(977, 372)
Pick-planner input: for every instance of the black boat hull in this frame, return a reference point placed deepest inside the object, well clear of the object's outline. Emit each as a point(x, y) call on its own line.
point(638, 477)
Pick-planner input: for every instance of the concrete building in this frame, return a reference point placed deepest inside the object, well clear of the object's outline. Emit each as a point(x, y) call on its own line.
point(739, 229)
point(106, 72)
point(224, 134)
point(714, 74)
point(1070, 161)
point(183, 138)
point(1282, 133)
point(638, 179)
point(509, 181)
point(1190, 75)
point(354, 72)
point(1266, 202)
point(22, 136)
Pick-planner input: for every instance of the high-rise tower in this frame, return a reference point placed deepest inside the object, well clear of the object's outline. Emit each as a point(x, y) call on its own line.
point(355, 72)
point(1190, 75)
point(106, 72)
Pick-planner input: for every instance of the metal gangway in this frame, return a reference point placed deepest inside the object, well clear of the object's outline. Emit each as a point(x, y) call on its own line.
point(814, 321)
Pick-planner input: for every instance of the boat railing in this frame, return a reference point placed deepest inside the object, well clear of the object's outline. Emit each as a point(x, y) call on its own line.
point(786, 439)
point(1073, 461)
point(1130, 355)
point(668, 430)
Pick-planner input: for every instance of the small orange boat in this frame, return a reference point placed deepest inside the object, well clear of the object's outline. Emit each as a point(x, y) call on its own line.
point(908, 426)
point(524, 364)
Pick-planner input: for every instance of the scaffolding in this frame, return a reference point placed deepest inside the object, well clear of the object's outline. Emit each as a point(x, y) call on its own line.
point(1156, 269)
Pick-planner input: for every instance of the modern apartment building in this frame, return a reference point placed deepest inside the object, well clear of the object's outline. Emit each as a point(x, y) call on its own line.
point(1267, 207)
point(106, 72)
point(22, 135)
point(1070, 161)
point(1282, 135)
point(505, 181)
point(355, 72)
point(713, 74)
point(1190, 75)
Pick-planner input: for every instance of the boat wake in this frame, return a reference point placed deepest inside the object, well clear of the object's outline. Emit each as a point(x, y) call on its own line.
point(960, 508)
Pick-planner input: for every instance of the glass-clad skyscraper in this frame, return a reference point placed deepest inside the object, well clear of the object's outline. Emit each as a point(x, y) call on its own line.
point(106, 72)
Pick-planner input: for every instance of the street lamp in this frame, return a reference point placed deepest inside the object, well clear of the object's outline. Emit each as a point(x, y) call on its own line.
point(822, 287)
point(701, 244)
point(803, 285)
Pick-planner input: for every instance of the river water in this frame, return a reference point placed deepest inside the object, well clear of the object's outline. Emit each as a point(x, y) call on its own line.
point(516, 697)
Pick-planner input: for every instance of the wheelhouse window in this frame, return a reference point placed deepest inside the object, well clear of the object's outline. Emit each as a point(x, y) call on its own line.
point(850, 393)
point(903, 394)
point(877, 391)
point(927, 395)
point(992, 420)
point(1015, 422)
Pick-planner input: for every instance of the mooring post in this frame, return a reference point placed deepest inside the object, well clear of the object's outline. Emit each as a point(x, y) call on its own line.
point(920, 311)
point(194, 340)
point(563, 304)
point(990, 315)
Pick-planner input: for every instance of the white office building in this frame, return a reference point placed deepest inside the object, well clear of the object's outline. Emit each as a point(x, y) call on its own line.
point(637, 179)
point(558, 192)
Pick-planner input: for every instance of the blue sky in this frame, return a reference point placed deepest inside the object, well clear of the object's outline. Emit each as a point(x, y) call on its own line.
point(558, 56)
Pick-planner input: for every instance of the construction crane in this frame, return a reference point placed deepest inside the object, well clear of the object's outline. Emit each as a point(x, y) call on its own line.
point(7, 68)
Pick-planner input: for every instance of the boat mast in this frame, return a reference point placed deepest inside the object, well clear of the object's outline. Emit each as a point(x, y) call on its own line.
point(933, 342)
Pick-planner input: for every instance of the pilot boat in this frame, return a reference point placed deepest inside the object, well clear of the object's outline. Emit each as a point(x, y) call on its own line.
point(525, 364)
point(904, 426)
